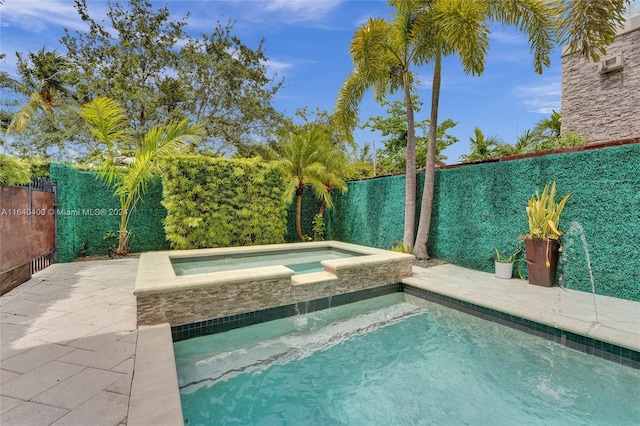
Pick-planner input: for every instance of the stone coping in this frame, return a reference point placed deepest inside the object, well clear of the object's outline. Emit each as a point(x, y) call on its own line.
point(564, 321)
point(155, 395)
point(156, 274)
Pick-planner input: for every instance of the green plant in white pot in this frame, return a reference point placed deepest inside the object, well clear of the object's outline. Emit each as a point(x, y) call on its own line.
point(542, 244)
point(504, 261)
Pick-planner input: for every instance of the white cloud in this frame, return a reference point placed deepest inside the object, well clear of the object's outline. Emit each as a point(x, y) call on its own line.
point(300, 10)
point(277, 66)
point(542, 98)
point(504, 36)
point(40, 16)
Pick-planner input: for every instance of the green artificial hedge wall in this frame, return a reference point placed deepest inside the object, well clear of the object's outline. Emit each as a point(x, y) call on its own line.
point(477, 207)
point(370, 213)
point(219, 202)
point(88, 211)
point(483, 205)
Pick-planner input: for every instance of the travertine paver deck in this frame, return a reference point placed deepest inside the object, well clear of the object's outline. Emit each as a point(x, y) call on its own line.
point(68, 339)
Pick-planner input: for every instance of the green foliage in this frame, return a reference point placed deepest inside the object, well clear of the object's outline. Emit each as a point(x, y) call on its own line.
point(482, 148)
point(544, 213)
point(589, 27)
point(393, 157)
point(513, 255)
point(13, 171)
point(545, 136)
point(129, 179)
point(43, 78)
point(319, 228)
point(141, 56)
point(400, 247)
point(219, 202)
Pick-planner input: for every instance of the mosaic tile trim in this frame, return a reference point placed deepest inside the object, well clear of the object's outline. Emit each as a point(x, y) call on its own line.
point(608, 351)
point(219, 325)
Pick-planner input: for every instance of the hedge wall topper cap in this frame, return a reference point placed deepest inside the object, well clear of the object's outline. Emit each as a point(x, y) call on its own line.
point(544, 213)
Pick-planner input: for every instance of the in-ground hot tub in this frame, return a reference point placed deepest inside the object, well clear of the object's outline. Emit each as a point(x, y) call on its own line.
point(190, 286)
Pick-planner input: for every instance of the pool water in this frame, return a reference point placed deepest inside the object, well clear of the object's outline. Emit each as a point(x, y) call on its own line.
point(300, 261)
point(397, 360)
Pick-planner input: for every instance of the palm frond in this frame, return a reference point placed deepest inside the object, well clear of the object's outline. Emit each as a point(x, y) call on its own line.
point(589, 26)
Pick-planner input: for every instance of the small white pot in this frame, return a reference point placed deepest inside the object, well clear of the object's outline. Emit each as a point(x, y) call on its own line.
point(504, 270)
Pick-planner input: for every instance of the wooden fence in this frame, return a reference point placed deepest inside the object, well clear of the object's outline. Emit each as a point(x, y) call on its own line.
point(27, 231)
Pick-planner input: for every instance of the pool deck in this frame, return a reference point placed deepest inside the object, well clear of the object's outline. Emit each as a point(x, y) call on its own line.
point(70, 347)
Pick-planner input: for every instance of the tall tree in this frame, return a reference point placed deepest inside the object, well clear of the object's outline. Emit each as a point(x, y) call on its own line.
point(461, 27)
point(129, 178)
point(227, 90)
point(383, 54)
point(143, 57)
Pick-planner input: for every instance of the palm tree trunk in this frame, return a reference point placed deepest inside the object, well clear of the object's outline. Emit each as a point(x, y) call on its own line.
point(123, 236)
point(430, 173)
point(298, 214)
point(323, 205)
point(410, 183)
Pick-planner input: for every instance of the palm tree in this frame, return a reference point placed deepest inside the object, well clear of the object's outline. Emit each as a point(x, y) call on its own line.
point(43, 78)
point(383, 53)
point(589, 26)
point(129, 179)
point(461, 27)
point(303, 156)
point(482, 147)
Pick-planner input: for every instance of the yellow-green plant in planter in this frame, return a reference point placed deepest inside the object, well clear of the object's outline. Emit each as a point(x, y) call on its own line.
point(542, 244)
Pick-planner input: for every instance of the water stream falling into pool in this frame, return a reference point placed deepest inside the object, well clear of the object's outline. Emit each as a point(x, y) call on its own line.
point(573, 228)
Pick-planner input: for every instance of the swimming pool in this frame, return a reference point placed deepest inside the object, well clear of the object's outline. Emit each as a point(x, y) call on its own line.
point(300, 261)
point(397, 359)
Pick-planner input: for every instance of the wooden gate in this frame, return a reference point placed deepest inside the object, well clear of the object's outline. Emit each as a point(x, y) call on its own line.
point(27, 231)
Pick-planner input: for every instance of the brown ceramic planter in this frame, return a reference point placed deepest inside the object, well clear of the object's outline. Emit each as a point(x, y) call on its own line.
point(539, 252)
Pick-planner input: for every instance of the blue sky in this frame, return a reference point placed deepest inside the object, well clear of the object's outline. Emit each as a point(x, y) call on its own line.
point(307, 44)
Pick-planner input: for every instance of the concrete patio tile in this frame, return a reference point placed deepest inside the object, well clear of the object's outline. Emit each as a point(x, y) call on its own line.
point(99, 308)
point(45, 287)
point(78, 388)
point(21, 304)
point(122, 314)
point(105, 358)
point(64, 335)
point(39, 380)
point(13, 331)
point(10, 348)
point(125, 367)
point(130, 337)
point(6, 376)
point(64, 321)
point(7, 403)
point(105, 409)
point(34, 358)
point(122, 386)
point(96, 340)
point(29, 318)
point(31, 414)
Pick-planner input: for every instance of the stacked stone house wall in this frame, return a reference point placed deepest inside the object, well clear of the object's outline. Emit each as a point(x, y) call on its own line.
point(604, 106)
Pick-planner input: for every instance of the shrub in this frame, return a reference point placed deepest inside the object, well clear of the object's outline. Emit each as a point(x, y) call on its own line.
point(219, 202)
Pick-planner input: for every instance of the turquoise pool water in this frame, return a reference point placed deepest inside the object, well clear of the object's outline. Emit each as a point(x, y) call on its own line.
point(301, 261)
point(397, 360)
